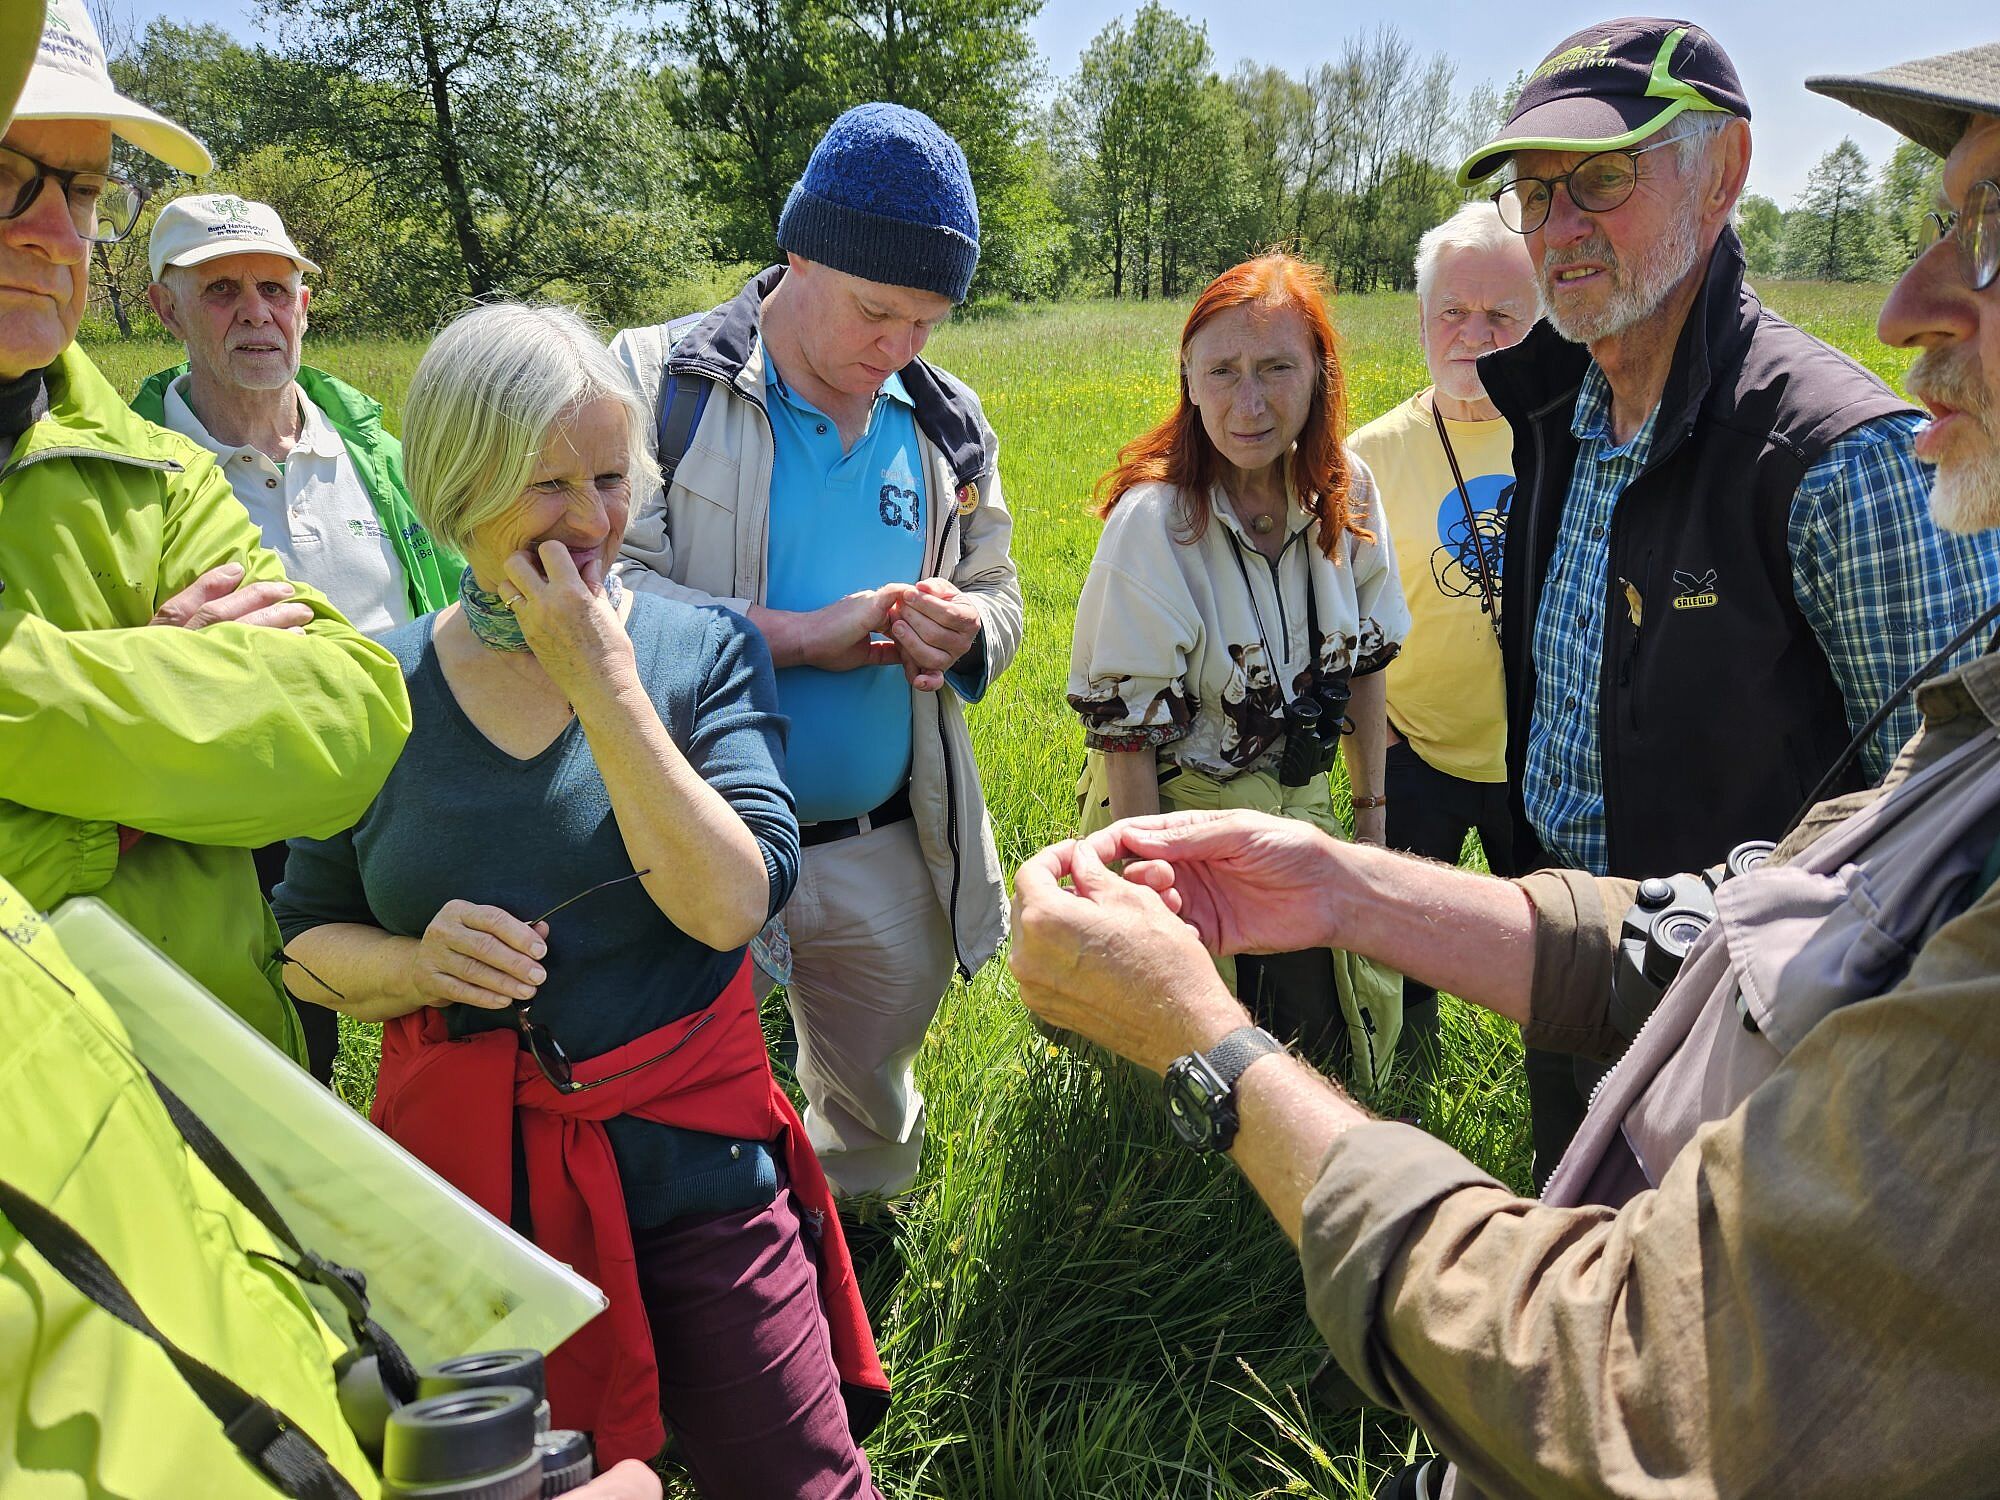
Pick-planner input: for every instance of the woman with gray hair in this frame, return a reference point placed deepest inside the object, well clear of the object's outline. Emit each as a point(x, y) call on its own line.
point(548, 907)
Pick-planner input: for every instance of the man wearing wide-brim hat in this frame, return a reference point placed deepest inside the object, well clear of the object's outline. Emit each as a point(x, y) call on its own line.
point(168, 698)
point(1719, 561)
point(1767, 1268)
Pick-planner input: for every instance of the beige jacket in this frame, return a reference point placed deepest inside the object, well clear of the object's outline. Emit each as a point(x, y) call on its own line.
point(704, 540)
point(1803, 1306)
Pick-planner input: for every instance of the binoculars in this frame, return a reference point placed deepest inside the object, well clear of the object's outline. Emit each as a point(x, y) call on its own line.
point(1314, 723)
point(478, 1430)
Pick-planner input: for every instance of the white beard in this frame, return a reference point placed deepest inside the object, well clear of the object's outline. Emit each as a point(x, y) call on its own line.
point(1658, 272)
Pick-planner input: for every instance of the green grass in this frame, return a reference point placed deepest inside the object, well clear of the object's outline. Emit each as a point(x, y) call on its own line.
point(1081, 1309)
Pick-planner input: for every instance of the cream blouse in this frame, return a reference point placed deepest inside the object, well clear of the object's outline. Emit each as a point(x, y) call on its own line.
point(1194, 647)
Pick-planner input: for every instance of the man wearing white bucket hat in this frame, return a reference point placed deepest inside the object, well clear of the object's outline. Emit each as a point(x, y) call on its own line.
point(142, 765)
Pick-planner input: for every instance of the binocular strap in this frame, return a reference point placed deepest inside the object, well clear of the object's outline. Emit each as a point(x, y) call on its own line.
point(276, 1447)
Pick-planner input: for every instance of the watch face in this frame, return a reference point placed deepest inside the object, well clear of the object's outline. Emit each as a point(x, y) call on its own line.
point(1193, 1091)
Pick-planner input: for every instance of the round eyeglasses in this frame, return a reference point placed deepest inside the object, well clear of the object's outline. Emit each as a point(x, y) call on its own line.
point(102, 207)
point(1976, 230)
point(1596, 185)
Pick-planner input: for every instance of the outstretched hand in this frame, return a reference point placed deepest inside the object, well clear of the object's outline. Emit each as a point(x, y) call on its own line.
point(1246, 882)
point(1106, 958)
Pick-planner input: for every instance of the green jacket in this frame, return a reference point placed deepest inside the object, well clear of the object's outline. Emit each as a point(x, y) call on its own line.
point(430, 569)
point(87, 1405)
point(214, 742)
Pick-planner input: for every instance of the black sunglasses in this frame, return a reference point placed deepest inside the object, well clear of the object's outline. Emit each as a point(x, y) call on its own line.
point(541, 1042)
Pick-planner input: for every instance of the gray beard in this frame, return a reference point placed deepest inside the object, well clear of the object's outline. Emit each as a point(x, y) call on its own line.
point(1965, 496)
point(1658, 272)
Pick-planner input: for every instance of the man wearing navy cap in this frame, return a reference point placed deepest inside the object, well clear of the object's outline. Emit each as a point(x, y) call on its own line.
point(1720, 559)
point(844, 494)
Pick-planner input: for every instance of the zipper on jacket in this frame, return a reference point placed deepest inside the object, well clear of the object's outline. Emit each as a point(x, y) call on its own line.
point(950, 780)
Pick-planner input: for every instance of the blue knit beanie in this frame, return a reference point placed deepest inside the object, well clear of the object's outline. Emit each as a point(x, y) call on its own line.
point(887, 197)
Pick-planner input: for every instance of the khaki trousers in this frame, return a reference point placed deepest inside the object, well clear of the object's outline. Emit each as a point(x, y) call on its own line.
point(871, 960)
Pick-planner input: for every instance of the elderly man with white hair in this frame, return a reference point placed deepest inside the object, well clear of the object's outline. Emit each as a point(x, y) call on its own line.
point(1444, 466)
point(306, 453)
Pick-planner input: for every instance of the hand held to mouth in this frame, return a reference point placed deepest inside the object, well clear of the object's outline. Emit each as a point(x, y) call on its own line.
point(570, 625)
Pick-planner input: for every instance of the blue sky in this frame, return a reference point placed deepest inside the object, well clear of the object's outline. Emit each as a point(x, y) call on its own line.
point(1776, 46)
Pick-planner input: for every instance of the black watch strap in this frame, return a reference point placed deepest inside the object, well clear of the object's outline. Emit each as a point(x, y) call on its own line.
point(1235, 1052)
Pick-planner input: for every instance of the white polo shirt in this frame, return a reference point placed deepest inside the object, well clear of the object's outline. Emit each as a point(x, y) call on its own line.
point(314, 512)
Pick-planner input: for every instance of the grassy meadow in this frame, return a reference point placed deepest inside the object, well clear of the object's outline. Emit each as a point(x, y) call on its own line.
point(1075, 1307)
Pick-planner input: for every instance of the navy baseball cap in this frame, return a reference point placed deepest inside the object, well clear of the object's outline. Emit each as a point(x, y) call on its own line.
point(1612, 85)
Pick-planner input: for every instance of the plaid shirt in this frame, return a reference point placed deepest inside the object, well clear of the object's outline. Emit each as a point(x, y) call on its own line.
point(1880, 585)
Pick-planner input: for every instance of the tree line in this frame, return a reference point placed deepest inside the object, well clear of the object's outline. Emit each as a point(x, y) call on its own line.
point(634, 158)
point(1851, 222)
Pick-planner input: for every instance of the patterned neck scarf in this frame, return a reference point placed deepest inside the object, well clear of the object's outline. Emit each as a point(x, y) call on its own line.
point(493, 620)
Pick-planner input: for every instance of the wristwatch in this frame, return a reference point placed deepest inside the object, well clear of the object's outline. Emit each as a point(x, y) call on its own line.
point(1201, 1088)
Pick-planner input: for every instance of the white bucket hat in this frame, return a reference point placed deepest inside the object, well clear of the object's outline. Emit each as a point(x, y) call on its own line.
point(207, 226)
point(20, 30)
point(70, 82)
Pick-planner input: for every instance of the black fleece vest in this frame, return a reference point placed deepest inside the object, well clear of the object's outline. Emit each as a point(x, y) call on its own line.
point(1718, 711)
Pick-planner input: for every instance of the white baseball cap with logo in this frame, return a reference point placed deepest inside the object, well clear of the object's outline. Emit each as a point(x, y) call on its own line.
point(70, 82)
point(207, 226)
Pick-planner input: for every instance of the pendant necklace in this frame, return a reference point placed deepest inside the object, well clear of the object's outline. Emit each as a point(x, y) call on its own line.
point(1264, 525)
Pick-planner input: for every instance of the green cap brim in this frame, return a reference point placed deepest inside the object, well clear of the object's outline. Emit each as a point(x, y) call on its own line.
point(20, 34)
point(1530, 131)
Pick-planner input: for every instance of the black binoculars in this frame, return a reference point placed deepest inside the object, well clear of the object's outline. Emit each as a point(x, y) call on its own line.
point(1314, 723)
point(478, 1430)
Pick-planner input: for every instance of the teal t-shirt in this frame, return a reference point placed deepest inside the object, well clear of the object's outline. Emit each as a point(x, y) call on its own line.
point(842, 522)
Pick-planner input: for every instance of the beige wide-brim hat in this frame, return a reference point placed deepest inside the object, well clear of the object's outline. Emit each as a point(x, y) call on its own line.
point(20, 29)
point(1930, 100)
point(69, 81)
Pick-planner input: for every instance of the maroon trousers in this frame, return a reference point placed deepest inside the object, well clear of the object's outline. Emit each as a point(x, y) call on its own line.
point(747, 1380)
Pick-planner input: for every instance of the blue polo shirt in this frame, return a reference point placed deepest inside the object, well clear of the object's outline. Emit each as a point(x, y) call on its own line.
point(841, 522)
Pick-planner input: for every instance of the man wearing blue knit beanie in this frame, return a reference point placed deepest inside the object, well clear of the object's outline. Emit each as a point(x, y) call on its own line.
point(844, 494)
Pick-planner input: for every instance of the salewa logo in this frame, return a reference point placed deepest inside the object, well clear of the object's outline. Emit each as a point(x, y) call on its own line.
point(1571, 60)
point(1695, 592)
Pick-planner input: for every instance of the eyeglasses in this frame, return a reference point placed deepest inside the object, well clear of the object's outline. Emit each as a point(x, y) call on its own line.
point(1976, 228)
point(542, 1044)
point(1597, 184)
point(102, 207)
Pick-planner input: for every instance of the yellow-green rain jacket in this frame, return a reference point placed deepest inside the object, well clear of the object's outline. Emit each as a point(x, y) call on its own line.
point(88, 1406)
point(211, 742)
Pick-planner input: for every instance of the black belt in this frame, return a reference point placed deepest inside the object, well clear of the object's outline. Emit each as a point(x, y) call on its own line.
point(894, 810)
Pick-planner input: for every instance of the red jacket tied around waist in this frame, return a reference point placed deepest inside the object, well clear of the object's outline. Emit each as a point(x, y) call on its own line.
point(450, 1102)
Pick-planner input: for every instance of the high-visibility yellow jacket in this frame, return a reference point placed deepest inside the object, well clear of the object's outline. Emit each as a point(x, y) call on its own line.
point(211, 742)
point(89, 1406)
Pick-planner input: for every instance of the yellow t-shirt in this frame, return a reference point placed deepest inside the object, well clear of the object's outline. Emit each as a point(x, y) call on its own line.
point(1446, 696)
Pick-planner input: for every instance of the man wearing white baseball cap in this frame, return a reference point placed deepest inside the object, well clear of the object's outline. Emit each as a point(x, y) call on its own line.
point(307, 454)
point(141, 765)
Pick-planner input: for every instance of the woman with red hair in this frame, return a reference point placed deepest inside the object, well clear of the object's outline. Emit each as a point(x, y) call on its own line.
point(1239, 611)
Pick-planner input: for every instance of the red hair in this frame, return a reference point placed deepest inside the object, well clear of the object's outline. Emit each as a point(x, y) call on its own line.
point(1178, 451)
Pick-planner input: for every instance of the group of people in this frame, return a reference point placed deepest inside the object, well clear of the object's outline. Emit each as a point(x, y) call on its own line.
point(629, 685)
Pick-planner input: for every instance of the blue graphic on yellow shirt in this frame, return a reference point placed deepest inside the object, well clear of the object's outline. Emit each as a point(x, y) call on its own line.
point(1469, 549)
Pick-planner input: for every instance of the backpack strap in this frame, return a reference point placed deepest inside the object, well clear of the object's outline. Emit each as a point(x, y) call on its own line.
point(272, 1444)
point(682, 398)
